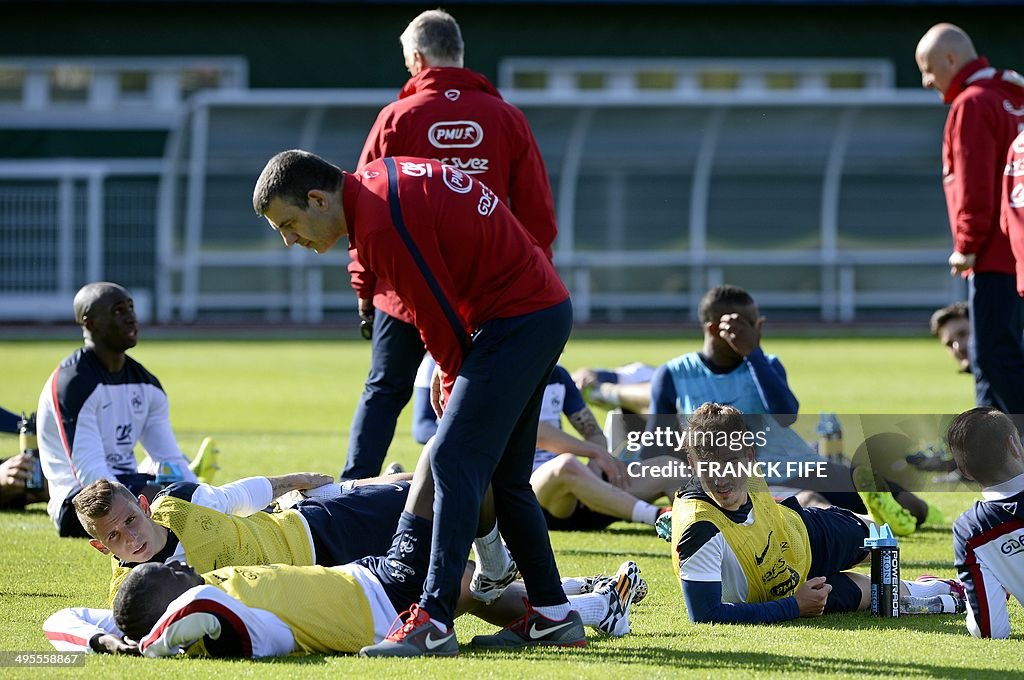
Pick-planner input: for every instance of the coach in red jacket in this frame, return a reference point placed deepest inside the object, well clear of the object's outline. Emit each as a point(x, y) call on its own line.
point(491, 310)
point(1012, 221)
point(456, 116)
point(985, 114)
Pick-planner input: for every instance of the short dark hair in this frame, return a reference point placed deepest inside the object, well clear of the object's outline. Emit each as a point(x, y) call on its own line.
point(141, 601)
point(89, 294)
point(720, 298)
point(957, 310)
point(290, 176)
point(978, 441)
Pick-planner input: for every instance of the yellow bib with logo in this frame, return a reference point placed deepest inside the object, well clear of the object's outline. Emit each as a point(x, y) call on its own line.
point(327, 609)
point(773, 550)
point(213, 539)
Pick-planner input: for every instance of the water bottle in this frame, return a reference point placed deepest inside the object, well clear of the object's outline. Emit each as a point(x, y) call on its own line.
point(885, 571)
point(28, 445)
point(939, 604)
point(168, 473)
point(830, 437)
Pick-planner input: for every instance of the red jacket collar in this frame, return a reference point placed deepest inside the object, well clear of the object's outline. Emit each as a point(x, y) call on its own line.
point(447, 78)
point(958, 83)
point(350, 189)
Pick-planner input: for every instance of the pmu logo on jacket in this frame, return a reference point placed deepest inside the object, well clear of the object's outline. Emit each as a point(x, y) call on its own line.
point(455, 134)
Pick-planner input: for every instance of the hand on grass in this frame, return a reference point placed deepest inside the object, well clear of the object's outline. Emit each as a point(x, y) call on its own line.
point(112, 644)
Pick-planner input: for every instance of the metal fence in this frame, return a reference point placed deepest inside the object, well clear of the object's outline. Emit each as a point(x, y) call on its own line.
point(64, 223)
point(828, 203)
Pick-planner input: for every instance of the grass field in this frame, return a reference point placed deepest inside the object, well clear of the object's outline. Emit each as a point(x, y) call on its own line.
point(279, 406)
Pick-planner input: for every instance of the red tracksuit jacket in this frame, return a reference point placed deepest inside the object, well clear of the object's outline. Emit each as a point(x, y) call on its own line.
point(457, 117)
point(1012, 222)
point(987, 106)
point(452, 252)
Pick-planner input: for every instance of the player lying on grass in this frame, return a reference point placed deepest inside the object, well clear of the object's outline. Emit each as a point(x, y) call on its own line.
point(743, 558)
point(988, 539)
point(278, 610)
point(209, 527)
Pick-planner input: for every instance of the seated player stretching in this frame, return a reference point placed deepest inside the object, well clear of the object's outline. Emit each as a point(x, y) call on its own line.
point(743, 558)
point(988, 539)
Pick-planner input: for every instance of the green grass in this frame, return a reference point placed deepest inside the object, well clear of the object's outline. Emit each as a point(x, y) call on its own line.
point(278, 406)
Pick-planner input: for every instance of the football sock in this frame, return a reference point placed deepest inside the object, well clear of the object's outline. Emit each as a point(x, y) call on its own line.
point(645, 513)
point(572, 585)
point(555, 612)
point(927, 588)
point(492, 554)
point(593, 607)
point(606, 393)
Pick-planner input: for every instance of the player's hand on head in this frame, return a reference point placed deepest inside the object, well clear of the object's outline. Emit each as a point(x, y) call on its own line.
point(812, 596)
point(744, 337)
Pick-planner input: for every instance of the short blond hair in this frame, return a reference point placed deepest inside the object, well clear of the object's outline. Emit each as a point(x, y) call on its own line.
point(95, 501)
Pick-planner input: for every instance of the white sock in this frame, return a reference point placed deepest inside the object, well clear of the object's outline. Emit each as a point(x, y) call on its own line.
point(491, 554)
point(927, 588)
point(555, 612)
point(593, 607)
point(607, 393)
point(440, 626)
point(645, 513)
point(572, 585)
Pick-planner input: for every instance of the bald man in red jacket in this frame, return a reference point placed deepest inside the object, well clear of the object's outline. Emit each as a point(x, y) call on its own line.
point(986, 112)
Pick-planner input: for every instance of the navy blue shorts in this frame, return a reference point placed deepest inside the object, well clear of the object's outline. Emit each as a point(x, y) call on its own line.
point(358, 523)
point(404, 568)
point(837, 544)
point(581, 519)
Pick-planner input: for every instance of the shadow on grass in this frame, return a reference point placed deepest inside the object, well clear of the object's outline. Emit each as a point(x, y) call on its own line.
point(758, 662)
point(633, 554)
point(948, 624)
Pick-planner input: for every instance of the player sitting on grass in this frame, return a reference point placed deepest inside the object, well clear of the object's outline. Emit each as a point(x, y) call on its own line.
point(626, 393)
point(988, 539)
point(733, 369)
point(580, 497)
point(743, 558)
point(98, 404)
point(278, 610)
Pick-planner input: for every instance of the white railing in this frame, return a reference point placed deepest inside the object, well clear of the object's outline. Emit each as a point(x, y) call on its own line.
point(54, 233)
point(229, 135)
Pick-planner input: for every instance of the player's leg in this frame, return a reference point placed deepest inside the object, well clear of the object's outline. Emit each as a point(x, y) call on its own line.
point(564, 480)
point(424, 420)
point(996, 323)
point(395, 355)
